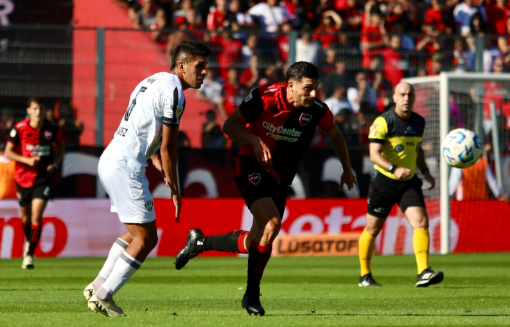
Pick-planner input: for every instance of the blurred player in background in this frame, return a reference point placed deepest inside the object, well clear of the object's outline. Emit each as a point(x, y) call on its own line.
point(275, 125)
point(37, 147)
point(395, 149)
point(7, 181)
point(151, 123)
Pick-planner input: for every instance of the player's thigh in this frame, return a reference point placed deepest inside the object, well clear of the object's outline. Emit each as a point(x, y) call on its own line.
point(129, 193)
point(374, 224)
point(412, 203)
point(24, 196)
point(382, 195)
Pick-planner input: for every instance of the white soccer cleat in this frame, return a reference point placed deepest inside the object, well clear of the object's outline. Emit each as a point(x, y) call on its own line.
point(105, 307)
point(89, 291)
point(28, 262)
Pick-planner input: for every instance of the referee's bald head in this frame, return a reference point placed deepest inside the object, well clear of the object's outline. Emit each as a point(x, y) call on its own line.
point(403, 84)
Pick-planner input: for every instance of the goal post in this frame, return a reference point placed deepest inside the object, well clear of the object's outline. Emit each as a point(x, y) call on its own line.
point(452, 100)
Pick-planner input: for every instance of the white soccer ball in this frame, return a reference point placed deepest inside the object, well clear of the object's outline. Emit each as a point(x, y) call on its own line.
point(461, 148)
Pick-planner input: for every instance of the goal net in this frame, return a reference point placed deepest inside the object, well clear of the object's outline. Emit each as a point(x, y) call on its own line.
point(479, 102)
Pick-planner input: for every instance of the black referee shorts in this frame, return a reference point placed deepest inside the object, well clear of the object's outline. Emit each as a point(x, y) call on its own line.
point(384, 192)
point(254, 182)
point(39, 191)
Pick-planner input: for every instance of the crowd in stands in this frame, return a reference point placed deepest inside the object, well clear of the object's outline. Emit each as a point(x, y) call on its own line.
point(365, 47)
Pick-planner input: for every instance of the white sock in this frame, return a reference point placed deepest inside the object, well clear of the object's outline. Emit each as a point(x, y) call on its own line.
point(117, 248)
point(124, 268)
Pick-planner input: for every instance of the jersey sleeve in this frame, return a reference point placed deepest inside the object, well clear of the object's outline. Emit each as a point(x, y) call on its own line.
point(327, 121)
point(378, 130)
point(14, 136)
point(171, 111)
point(252, 106)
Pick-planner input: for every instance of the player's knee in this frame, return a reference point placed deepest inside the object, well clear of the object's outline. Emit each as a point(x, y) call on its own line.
point(373, 230)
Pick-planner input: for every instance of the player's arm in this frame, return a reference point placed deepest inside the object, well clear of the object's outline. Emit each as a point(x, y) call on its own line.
point(340, 147)
point(59, 156)
point(169, 156)
point(235, 128)
point(10, 153)
point(422, 165)
point(377, 158)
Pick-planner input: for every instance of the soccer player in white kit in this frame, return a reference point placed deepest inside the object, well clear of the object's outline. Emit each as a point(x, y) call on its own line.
point(151, 123)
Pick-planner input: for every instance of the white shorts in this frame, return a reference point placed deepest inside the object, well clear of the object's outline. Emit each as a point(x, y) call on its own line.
point(129, 193)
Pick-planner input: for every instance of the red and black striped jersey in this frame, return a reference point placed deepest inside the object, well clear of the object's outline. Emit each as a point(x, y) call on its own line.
point(30, 142)
point(285, 129)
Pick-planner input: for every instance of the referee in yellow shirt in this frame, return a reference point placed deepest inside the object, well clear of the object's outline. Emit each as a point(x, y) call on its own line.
point(395, 149)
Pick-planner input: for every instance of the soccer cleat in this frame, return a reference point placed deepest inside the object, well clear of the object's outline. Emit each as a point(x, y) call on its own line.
point(189, 251)
point(251, 302)
point(89, 291)
point(367, 280)
point(105, 307)
point(429, 277)
point(28, 262)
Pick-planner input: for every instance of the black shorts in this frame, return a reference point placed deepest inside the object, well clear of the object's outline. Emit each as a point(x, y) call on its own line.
point(254, 182)
point(39, 191)
point(384, 192)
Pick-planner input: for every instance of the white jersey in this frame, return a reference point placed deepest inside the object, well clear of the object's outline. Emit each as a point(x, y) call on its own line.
point(157, 100)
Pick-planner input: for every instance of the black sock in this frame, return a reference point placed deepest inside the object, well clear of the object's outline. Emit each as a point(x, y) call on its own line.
point(33, 238)
point(230, 242)
point(26, 230)
point(257, 261)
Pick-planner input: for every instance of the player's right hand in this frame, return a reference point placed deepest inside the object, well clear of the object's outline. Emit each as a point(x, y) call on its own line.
point(262, 153)
point(33, 161)
point(402, 173)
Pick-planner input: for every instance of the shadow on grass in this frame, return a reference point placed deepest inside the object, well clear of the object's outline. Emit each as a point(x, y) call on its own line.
point(384, 315)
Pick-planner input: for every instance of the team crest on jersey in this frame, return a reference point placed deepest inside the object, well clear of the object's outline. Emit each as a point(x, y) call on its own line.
point(48, 135)
point(179, 111)
point(254, 178)
point(304, 119)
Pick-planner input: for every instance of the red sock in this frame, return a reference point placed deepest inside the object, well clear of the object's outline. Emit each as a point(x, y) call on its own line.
point(257, 261)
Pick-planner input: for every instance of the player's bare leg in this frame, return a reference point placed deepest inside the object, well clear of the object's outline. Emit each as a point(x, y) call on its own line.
point(266, 226)
point(366, 249)
point(32, 221)
point(144, 238)
point(418, 219)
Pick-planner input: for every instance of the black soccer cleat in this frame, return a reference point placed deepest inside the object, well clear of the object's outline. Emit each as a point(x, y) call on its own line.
point(251, 302)
point(367, 280)
point(429, 277)
point(189, 251)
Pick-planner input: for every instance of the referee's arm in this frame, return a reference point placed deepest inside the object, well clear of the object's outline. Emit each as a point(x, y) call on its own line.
point(377, 158)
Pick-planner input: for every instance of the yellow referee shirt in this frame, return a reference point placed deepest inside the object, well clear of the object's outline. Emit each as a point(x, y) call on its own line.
point(400, 138)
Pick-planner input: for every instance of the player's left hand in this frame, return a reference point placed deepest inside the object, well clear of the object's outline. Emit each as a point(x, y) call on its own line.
point(348, 179)
point(431, 180)
point(50, 170)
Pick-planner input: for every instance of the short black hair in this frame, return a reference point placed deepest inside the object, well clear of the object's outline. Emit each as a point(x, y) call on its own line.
point(301, 69)
point(39, 101)
point(188, 50)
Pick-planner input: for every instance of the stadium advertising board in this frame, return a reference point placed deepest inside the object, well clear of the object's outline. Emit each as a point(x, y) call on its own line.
point(86, 227)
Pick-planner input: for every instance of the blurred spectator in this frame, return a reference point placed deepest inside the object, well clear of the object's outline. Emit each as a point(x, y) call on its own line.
point(70, 126)
point(380, 92)
point(184, 11)
point(490, 52)
point(6, 124)
point(477, 24)
point(356, 94)
point(228, 52)
point(183, 142)
point(439, 16)
point(307, 49)
point(471, 183)
point(435, 65)
point(497, 16)
point(269, 15)
point(393, 64)
point(329, 26)
point(193, 24)
point(296, 9)
point(463, 13)
point(346, 46)
point(146, 16)
point(493, 92)
point(250, 48)
point(338, 77)
point(174, 39)
point(283, 42)
point(327, 62)
point(373, 32)
point(406, 42)
point(460, 56)
point(211, 88)
point(397, 13)
point(470, 52)
point(504, 43)
point(238, 20)
point(426, 45)
point(232, 94)
point(212, 135)
point(338, 101)
point(7, 182)
point(252, 74)
point(131, 6)
point(217, 16)
point(351, 17)
point(159, 30)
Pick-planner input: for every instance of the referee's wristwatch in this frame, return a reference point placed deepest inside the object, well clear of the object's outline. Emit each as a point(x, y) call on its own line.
point(392, 168)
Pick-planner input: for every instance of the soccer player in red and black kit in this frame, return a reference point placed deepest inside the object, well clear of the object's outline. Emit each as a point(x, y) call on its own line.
point(37, 147)
point(275, 125)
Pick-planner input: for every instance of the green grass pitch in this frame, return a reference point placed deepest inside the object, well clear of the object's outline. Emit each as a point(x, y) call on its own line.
point(314, 291)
